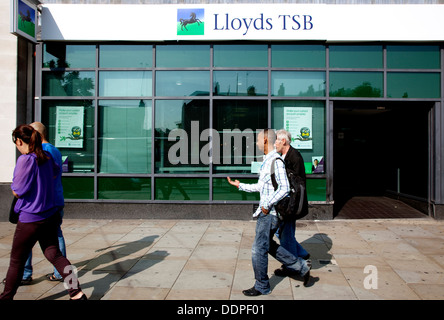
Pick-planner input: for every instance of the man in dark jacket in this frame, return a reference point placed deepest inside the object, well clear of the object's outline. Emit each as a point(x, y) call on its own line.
point(295, 162)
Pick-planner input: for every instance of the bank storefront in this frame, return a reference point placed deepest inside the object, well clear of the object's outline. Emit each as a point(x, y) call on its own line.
point(152, 114)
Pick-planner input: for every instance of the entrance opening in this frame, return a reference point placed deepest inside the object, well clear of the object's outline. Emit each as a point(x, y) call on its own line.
point(381, 153)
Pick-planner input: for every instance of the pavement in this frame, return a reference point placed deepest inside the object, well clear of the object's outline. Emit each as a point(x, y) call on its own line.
point(385, 259)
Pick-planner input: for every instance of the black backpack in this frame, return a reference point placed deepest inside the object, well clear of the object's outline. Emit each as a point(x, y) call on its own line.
point(290, 207)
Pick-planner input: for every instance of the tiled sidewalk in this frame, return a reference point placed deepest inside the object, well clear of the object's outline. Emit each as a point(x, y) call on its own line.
point(203, 259)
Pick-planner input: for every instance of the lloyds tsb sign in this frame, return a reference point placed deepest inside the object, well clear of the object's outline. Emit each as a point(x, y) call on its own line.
point(283, 22)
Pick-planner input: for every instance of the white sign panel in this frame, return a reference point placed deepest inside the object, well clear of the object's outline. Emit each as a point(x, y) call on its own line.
point(243, 22)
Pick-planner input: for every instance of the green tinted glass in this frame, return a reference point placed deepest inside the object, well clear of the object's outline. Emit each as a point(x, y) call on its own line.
point(57, 55)
point(413, 85)
point(240, 83)
point(125, 56)
point(356, 84)
point(80, 157)
point(242, 56)
point(317, 189)
point(293, 115)
point(124, 188)
point(298, 83)
point(356, 57)
point(125, 136)
point(237, 122)
point(182, 56)
point(125, 84)
point(74, 83)
point(78, 187)
point(222, 190)
point(413, 57)
point(298, 56)
point(182, 83)
point(182, 189)
point(179, 136)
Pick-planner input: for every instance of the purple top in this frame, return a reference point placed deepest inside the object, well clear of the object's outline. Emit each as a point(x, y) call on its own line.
point(35, 186)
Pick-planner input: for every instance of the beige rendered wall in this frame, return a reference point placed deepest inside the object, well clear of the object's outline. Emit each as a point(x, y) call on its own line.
point(8, 93)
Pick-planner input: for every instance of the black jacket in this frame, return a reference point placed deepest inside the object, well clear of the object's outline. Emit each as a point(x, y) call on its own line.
point(295, 162)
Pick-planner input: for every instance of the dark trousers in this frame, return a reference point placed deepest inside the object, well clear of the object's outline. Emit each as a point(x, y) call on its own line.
point(25, 237)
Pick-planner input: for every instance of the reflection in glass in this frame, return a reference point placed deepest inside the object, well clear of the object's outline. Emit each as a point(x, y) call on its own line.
point(182, 83)
point(74, 83)
point(182, 56)
point(125, 83)
point(56, 55)
point(298, 56)
point(182, 189)
point(240, 83)
point(413, 85)
point(356, 56)
point(237, 123)
point(180, 125)
point(124, 188)
point(298, 84)
point(125, 136)
point(125, 56)
point(356, 84)
point(413, 57)
point(242, 56)
point(79, 159)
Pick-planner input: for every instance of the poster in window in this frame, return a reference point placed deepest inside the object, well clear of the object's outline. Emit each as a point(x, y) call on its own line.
point(299, 122)
point(69, 127)
point(317, 164)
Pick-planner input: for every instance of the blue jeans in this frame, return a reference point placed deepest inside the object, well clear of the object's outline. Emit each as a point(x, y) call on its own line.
point(288, 240)
point(263, 245)
point(28, 265)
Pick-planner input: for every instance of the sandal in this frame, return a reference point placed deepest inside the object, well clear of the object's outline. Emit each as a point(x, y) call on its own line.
point(52, 277)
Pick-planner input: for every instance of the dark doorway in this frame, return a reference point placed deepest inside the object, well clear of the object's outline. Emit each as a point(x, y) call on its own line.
point(380, 149)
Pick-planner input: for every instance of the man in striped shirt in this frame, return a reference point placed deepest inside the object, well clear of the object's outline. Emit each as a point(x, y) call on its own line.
point(267, 220)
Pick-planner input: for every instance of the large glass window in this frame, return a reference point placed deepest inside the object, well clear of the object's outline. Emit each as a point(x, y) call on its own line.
point(298, 56)
point(70, 127)
point(125, 84)
point(240, 83)
point(358, 56)
point(182, 56)
point(124, 188)
point(125, 136)
point(237, 123)
point(241, 56)
point(125, 56)
point(356, 84)
point(78, 187)
point(57, 55)
point(208, 101)
point(182, 83)
point(225, 191)
point(297, 84)
point(413, 85)
point(74, 83)
point(413, 57)
point(181, 136)
point(182, 189)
